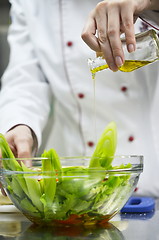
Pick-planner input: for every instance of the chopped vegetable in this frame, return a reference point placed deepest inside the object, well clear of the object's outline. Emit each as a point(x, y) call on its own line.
point(106, 147)
point(11, 163)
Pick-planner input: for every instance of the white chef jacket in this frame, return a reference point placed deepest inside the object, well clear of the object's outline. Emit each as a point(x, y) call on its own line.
point(48, 87)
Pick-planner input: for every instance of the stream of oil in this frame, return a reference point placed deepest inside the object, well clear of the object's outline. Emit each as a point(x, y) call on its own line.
point(94, 109)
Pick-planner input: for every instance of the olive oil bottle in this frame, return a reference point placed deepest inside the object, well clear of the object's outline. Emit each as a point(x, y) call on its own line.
point(147, 51)
point(128, 66)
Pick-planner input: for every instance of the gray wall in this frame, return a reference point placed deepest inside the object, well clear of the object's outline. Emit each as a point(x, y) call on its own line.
point(4, 24)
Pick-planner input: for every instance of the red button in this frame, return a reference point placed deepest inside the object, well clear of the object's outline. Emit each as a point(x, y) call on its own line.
point(69, 43)
point(81, 95)
point(124, 89)
point(90, 144)
point(131, 139)
point(136, 189)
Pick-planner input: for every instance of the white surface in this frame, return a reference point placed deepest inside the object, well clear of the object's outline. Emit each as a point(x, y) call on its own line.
point(8, 209)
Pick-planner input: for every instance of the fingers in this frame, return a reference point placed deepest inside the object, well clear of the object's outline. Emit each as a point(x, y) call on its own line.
point(24, 148)
point(128, 28)
point(21, 141)
point(103, 39)
point(89, 34)
point(2, 190)
point(107, 20)
point(112, 49)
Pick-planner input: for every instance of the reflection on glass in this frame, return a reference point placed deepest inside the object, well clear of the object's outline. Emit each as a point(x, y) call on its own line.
point(97, 232)
point(22, 229)
point(10, 229)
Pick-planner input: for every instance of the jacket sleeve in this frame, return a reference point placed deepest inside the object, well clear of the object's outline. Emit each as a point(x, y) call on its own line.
point(151, 17)
point(25, 96)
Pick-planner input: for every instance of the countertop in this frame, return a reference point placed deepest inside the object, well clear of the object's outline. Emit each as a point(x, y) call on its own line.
point(145, 226)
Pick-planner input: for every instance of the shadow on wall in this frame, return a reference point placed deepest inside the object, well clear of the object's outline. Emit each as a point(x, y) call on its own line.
point(4, 24)
point(4, 49)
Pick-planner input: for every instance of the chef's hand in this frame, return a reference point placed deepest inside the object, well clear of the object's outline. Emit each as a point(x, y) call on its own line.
point(20, 139)
point(107, 21)
point(21, 142)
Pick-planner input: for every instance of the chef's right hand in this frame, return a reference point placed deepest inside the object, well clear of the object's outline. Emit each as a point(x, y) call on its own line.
point(107, 21)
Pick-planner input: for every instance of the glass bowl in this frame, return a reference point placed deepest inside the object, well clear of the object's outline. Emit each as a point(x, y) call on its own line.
point(75, 195)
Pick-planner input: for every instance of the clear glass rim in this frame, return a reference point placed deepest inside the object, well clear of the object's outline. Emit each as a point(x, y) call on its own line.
point(75, 157)
point(135, 168)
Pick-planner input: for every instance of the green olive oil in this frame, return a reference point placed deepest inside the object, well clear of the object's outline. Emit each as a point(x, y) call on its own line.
point(128, 66)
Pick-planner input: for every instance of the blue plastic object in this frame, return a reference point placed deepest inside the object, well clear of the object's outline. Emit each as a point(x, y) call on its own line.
point(139, 205)
point(137, 216)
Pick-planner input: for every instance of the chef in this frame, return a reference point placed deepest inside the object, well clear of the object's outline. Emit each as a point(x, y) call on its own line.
point(48, 99)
